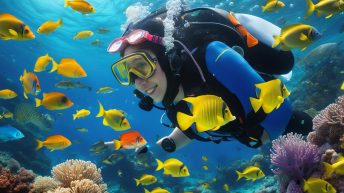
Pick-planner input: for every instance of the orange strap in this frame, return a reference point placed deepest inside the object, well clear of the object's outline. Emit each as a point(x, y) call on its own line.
point(250, 39)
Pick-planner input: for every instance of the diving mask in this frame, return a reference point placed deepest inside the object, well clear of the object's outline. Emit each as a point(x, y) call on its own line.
point(139, 64)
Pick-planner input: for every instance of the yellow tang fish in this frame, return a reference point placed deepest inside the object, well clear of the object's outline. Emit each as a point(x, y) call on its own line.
point(30, 83)
point(157, 190)
point(81, 113)
point(83, 35)
point(68, 67)
point(270, 97)
point(146, 180)
point(251, 173)
point(272, 5)
point(317, 185)
point(11, 28)
point(296, 36)
point(80, 5)
point(54, 101)
point(54, 142)
point(325, 7)
point(226, 187)
point(42, 63)
point(173, 167)
point(209, 112)
point(337, 167)
point(49, 26)
point(105, 90)
point(113, 118)
point(7, 94)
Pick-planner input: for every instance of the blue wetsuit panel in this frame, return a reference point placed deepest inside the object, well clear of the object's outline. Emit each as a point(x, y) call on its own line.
point(233, 71)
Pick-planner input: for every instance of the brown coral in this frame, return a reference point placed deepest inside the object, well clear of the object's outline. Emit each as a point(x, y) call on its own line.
point(15, 183)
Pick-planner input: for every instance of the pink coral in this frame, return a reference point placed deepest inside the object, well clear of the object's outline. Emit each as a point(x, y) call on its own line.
point(15, 183)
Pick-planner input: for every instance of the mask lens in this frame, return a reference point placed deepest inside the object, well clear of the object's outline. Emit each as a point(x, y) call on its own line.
point(135, 36)
point(140, 66)
point(115, 46)
point(119, 70)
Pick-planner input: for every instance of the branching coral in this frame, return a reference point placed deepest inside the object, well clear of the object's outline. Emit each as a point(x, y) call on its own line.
point(85, 186)
point(44, 184)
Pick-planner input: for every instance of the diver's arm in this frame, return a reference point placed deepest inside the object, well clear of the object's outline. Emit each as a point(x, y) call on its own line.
point(176, 140)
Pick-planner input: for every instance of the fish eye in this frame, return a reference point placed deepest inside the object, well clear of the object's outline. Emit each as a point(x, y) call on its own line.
point(64, 99)
point(26, 31)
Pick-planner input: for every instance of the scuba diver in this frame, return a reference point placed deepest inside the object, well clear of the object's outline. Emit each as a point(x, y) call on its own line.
point(215, 53)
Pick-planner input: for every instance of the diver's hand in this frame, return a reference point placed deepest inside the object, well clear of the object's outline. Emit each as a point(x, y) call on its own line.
point(176, 140)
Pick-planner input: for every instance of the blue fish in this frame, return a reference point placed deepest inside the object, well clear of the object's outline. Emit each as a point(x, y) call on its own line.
point(9, 133)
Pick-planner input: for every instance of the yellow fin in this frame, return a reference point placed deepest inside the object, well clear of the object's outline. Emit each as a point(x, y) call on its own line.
point(303, 37)
point(54, 66)
point(278, 40)
point(329, 16)
point(160, 165)
point(39, 144)
point(201, 128)
point(328, 169)
point(255, 103)
point(240, 175)
point(13, 32)
point(216, 128)
point(137, 181)
point(310, 8)
point(105, 122)
point(25, 95)
point(38, 102)
point(184, 121)
point(268, 109)
point(117, 144)
point(101, 110)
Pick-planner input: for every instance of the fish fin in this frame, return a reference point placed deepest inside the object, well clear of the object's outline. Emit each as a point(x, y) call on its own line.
point(280, 99)
point(216, 128)
point(13, 32)
point(38, 102)
point(220, 119)
point(117, 144)
point(328, 169)
point(105, 122)
point(146, 191)
point(74, 116)
point(303, 37)
point(277, 41)
point(184, 121)
point(21, 78)
point(66, 3)
point(240, 175)
point(60, 22)
point(101, 110)
point(25, 95)
point(201, 128)
point(54, 67)
point(137, 181)
point(263, 8)
point(310, 9)
point(39, 144)
point(267, 109)
point(328, 16)
point(256, 103)
point(160, 165)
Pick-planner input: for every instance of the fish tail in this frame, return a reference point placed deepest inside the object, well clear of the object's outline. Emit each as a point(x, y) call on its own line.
point(60, 22)
point(25, 95)
point(74, 116)
point(310, 9)
point(263, 8)
point(277, 41)
point(146, 191)
point(160, 165)
point(117, 144)
point(240, 175)
point(184, 121)
point(38, 102)
point(54, 67)
point(101, 110)
point(65, 3)
point(39, 144)
point(328, 169)
point(137, 181)
point(255, 103)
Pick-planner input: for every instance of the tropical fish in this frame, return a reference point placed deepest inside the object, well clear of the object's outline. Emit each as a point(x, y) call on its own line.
point(81, 113)
point(11, 28)
point(49, 26)
point(80, 5)
point(42, 63)
point(54, 142)
point(54, 101)
point(103, 30)
point(7, 94)
point(30, 83)
point(9, 133)
point(99, 147)
point(173, 167)
point(6, 115)
point(270, 97)
point(337, 167)
point(317, 185)
point(342, 87)
point(130, 140)
point(157, 190)
point(96, 42)
point(272, 6)
point(114, 118)
point(83, 35)
point(226, 187)
point(296, 36)
point(82, 129)
point(113, 159)
point(205, 168)
point(204, 158)
point(68, 67)
point(67, 84)
point(105, 90)
point(146, 180)
point(251, 173)
point(325, 7)
point(209, 112)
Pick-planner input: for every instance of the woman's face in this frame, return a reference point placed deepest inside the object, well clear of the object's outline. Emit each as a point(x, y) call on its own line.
point(156, 85)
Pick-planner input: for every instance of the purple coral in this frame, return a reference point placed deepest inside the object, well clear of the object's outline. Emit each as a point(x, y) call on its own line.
point(293, 156)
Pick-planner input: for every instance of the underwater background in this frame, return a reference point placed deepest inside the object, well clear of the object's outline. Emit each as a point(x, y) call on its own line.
point(315, 83)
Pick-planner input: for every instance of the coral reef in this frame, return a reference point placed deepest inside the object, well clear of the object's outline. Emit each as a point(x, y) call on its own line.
point(8, 162)
point(19, 182)
point(44, 184)
point(85, 186)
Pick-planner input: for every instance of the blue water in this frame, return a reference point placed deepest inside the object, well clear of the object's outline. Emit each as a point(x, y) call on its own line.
point(19, 55)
